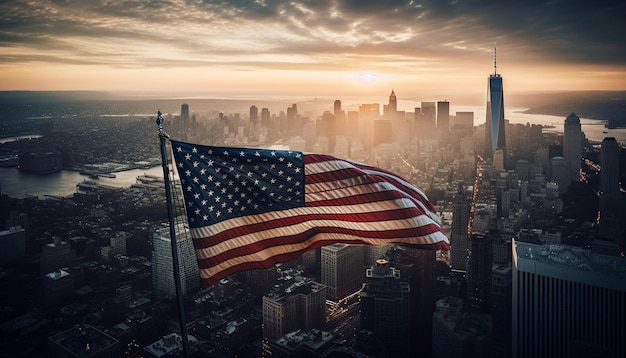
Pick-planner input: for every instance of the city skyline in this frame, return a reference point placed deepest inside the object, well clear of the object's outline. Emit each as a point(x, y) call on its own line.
point(327, 48)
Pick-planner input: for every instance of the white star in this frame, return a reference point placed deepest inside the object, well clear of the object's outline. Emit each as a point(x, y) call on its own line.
point(195, 150)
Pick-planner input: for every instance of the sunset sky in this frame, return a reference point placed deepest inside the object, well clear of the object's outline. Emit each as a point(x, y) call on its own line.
point(311, 48)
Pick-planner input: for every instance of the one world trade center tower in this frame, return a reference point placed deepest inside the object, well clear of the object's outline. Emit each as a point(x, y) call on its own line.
point(494, 126)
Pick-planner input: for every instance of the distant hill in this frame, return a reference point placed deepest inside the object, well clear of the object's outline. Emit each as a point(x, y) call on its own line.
point(17, 97)
point(607, 105)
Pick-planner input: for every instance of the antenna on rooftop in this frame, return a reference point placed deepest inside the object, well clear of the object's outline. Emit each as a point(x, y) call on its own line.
point(495, 64)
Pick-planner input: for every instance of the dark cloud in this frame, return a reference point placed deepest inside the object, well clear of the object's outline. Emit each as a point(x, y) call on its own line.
point(532, 30)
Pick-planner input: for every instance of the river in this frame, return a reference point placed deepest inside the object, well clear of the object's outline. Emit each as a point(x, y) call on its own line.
point(594, 129)
point(20, 185)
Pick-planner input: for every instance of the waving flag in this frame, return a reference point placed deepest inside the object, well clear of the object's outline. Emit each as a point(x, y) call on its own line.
point(252, 208)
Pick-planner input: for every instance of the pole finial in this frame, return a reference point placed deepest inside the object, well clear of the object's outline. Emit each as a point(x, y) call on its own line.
point(159, 122)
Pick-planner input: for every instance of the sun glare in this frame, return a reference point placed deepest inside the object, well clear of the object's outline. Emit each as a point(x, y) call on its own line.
point(367, 76)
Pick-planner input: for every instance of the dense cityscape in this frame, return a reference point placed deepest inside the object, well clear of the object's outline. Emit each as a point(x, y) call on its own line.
point(534, 218)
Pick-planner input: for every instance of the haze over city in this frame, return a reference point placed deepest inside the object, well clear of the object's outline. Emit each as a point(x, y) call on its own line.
point(310, 48)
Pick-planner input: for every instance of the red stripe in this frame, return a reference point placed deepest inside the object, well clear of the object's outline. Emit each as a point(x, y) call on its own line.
point(310, 233)
point(360, 199)
point(373, 217)
point(365, 178)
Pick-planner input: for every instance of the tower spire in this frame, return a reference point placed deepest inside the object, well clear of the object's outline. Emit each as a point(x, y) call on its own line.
point(495, 63)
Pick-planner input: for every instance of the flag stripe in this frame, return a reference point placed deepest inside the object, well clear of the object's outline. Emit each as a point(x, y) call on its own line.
point(241, 223)
point(321, 163)
point(364, 236)
point(281, 227)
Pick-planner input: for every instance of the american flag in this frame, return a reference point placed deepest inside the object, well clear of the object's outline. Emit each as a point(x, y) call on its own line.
point(251, 208)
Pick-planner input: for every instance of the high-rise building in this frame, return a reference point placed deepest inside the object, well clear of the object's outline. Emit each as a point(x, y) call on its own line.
point(610, 239)
point(459, 234)
point(390, 110)
point(501, 278)
point(443, 118)
point(162, 266)
point(418, 269)
point(429, 115)
point(609, 167)
point(458, 332)
point(301, 306)
point(385, 308)
point(495, 125)
point(254, 114)
point(572, 146)
point(56, 255)
point(479, 269)
point(567, 302)
point(184, 112)
point(327, 128)
point(265, 117)
point(342, 269)
point(340, 119)
point(12, 244)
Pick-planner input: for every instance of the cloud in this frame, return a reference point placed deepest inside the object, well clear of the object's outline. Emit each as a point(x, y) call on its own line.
point(301, 33)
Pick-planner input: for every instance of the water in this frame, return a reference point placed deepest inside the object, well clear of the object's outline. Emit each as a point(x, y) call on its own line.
point(19, 184)
point(594, 129)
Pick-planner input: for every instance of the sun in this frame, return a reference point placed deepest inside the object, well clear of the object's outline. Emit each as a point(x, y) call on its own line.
point(367, 76)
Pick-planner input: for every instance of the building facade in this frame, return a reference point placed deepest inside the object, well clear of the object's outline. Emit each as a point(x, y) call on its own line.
point(162, 266)
point(495, 137)
point(385, 308)
point(342, 269)
point(567, 301)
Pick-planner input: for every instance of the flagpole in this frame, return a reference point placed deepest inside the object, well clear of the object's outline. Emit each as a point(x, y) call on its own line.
point(170, 213)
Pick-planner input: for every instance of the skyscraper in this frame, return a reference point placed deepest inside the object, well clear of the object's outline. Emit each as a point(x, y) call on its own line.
point(301, 306)
point(572, 146)
point(342, 269)
point(495, 126)
point(567, 302)
point(479, 269)
point(609, 166)
point(458, 235)
point(385, 308)
point(429, 115)
point(162, 267)
point(443, 118)
point(391, 109)
point(254, 114)
point(184, 112)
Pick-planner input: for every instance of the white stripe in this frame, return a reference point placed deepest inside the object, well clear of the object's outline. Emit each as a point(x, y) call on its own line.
point(352, 186)
point(277, 250)
point(239, 221)
point(259, 236)
point(330, 166)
